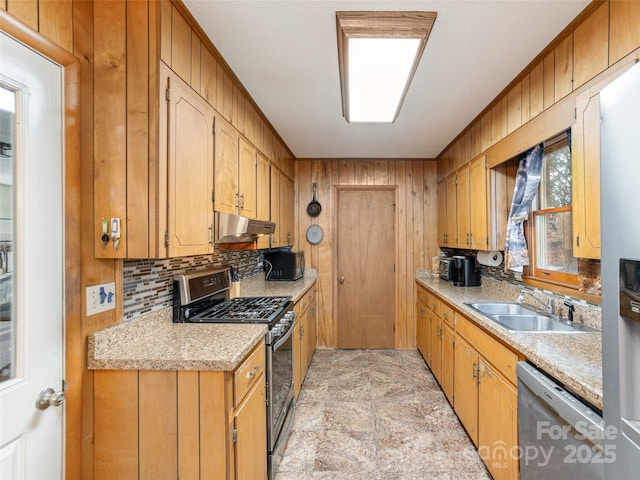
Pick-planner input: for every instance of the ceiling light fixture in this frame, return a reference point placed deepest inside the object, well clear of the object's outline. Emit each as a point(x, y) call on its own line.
point(378, 53)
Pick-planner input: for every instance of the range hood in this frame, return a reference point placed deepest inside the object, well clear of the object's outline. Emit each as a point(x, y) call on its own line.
point(230, 228)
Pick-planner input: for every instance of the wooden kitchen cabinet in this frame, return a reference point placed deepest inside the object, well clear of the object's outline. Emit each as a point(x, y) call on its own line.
point(466, 387)
point(423, 324)
point(486, 400)
point(472, 205)
point(263, 193)
point(236, 173)
point(305, 337)
point(136, 49)
point(497, 422)
point(190, 143)
point(275, 174)
point(452, 211)
point(463, 224)
point(447, 362)
point(250, 427)
point(169, 424)
point(478, 204)
point(442, 213)
point(287, 206)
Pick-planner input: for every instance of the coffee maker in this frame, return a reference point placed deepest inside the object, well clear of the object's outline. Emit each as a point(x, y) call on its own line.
point(463, 271)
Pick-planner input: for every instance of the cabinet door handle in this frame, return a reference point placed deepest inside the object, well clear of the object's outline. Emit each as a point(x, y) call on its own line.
point(253, 372)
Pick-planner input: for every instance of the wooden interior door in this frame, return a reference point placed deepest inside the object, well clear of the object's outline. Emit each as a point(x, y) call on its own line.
point(366, 278)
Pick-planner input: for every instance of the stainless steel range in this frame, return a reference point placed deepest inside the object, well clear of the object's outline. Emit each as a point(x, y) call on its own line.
point(203, 297)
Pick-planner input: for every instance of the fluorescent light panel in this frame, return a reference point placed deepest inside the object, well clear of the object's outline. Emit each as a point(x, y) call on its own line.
point(379, 70)
point(378, 53)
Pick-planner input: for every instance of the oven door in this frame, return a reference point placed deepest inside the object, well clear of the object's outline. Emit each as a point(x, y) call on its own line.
point(280, 409)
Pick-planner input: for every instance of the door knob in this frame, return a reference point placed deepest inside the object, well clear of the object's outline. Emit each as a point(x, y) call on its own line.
point(49, 398)
point(341, 280)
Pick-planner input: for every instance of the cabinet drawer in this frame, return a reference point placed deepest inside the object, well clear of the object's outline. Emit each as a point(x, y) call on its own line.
point(446, 314)
point(308, 299)
point(503, 359)
point(434, 304)
point(248, 372)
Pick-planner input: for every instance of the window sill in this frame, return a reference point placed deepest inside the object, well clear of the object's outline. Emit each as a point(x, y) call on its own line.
point(562, 289)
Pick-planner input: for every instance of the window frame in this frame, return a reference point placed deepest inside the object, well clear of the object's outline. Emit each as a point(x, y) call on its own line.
point(533, 272)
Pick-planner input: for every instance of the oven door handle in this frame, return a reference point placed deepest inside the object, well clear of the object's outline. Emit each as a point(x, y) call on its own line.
point(283, 338)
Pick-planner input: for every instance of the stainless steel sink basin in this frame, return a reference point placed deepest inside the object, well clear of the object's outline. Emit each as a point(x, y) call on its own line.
point(532, 323)
point(518, 318)
point(501, 308)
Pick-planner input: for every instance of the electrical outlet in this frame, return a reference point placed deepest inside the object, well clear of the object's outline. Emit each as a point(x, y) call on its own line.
point(101, 298)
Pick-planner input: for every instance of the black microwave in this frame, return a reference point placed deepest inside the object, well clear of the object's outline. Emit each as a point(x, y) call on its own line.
point(283, 265)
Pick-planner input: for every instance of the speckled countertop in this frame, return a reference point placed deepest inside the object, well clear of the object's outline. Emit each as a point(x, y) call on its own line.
point(154, 342)
point(257, 287)
point(573, 359)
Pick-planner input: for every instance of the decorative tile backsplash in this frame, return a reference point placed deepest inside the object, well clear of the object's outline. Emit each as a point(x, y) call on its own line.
point(148, 284)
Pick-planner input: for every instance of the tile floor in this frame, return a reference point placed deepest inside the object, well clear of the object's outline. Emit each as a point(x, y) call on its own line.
point(376, 415)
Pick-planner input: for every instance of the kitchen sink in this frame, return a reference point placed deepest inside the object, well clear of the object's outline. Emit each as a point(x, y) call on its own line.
point(501, 308)
point(532, 323)
point(518, 318)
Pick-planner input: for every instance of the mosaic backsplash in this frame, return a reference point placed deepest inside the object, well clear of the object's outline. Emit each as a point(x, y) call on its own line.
point(148, 284)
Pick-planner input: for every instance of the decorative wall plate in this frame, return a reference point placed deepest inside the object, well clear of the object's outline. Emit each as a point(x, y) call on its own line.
point(315, 234)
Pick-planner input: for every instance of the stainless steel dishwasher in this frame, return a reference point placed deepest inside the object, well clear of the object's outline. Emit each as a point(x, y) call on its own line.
point(560, 436)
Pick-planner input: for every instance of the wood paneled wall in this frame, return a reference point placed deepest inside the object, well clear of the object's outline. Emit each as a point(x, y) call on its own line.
point(540, 101)
point(416, 230)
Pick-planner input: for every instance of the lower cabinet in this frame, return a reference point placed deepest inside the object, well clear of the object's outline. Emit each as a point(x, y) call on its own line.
point(305, 337)
point(486, 398)
point(477, 374)
point(181, 424)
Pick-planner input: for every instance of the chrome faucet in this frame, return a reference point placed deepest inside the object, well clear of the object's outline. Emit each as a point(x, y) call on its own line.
point(549, 301)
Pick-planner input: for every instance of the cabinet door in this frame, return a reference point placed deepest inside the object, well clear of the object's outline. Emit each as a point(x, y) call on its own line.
point(421, 325)
point(263, 200)
point(248, 184)
point(478, 237)
point(436, 347)
point(251, 430)
point(312, 332)
point(226, 174)
point(442, 213)
point(462, 202)
point(287, 201)
point(585, 162)
point(190, 155)
point(275, 205)
point(465, 386)
point(498, 423)
point(447, 362)
point(452, 238)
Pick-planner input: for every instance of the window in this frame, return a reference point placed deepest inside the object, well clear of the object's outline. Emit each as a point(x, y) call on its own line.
point(551, 221)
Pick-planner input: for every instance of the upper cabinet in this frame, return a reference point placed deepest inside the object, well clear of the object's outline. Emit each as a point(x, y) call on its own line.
point(236, 173)
point(189, 158)
point(175, 135)
point(463, 207)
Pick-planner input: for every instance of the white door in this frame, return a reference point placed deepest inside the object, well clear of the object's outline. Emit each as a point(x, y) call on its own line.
point(31, 262)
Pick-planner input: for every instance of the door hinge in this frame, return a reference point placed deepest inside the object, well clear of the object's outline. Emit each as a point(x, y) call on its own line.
point(453, 397)
point(234, 434)
point(213, 196)
point(486, 163)
point(577, 240)
point(166, 238)
point(213, 126)
point(167, 92)
point(575, 113)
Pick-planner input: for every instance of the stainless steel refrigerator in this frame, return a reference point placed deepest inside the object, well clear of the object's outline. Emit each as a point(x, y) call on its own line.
point(620, 190)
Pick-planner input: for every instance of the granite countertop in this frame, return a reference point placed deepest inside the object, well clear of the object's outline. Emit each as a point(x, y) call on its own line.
point(256, 286)
point(573, 359)
point(154, 342)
